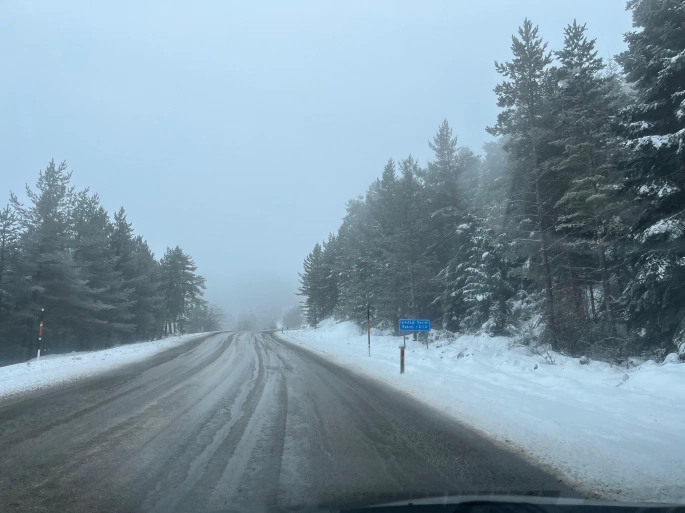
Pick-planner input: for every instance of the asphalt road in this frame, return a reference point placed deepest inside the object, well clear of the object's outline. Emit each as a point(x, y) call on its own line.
point(240, 422)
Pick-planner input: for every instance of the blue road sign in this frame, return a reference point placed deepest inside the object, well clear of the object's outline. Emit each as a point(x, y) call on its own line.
point(415, 325)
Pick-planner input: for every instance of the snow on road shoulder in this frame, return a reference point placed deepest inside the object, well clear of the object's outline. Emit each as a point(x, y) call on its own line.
point(68, 367)
point(614, 433)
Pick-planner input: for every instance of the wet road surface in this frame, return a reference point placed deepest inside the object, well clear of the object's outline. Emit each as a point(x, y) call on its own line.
point(240, 422)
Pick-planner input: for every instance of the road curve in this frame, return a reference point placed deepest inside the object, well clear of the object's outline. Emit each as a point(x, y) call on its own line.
point(240, 422)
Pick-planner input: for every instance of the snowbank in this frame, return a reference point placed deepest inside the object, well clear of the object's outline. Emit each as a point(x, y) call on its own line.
point(614, 433)
point(63, 368)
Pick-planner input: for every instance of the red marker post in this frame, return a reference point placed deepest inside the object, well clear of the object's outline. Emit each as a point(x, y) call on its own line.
point(40, 331)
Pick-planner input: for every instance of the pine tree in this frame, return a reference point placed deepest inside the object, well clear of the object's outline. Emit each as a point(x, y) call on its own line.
point(386, 276)
point(330, 279)
point(122, 244)
point(443, 173)
point(485, 290)
point(9, 239)
point(14, 289)
point(96, 282)
point(586, 105)
point(525, 119)
point(493, 184)
point(453, 279)
point(654, 64)
point(140, 274)
point(476, 291)
point(414, 244)
point(58, 283)
point(148, 298)
point(204, 317)
point(446, 200)
point(182, 287)
point(313, 286)
point(97, 260)
point(356, 262)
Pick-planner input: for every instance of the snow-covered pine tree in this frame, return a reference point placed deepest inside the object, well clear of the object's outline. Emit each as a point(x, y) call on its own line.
point(329, 250)
point(14, 289)
point(476, 290)
point(386, 277)
point(313, 286)
point(445, 198)
point(58, 283)
point(414, 244)
point(182, 286)
point(654, 64)
point(140, 274)
point(148, 297)
point(453, 278)
point(94, 254)
point(586, 103)
point(485, 291)
point(525, 118)
point(494, 184)
point(9, 241)
point(356, 262)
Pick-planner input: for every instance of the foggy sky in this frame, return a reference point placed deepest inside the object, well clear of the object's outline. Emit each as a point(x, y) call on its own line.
point(239, 131)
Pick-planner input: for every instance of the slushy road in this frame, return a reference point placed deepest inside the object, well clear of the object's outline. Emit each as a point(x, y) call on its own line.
point(240, 422)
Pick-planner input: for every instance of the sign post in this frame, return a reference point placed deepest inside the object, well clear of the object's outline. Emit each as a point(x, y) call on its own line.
point(411, 325)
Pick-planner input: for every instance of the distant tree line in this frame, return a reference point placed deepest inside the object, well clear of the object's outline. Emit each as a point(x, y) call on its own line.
point(292, 317)
point(568, 230)
point(93, 279)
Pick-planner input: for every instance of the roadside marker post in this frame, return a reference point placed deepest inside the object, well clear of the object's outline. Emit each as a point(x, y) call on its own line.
point(368, 326)
point(40, 331)
point(404, 343)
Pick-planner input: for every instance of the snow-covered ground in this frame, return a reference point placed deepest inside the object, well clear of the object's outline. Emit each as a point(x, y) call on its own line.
point(63, 368)
point(614, 433)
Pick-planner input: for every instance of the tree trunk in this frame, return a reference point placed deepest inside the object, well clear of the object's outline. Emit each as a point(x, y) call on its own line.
point(605, 288)
point(575, 288)
point(549, 295)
